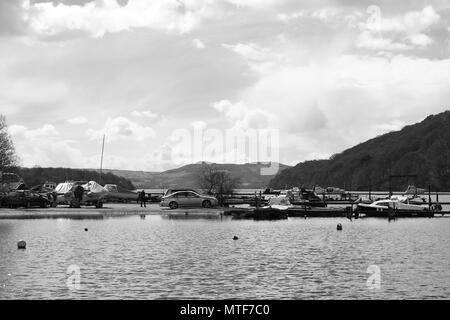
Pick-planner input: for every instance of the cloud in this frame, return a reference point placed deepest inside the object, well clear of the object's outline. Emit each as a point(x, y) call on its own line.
point(53, 153)
point(78, 120)
point(256, 4)
point(144, 114)
point(107, 16)
point(11, 21)
point(301, 73)
point(324, 14)
point(17, 129)
point(370, 41)
point(198, 44)
point(329, 106)
point(410, 22)
point(390, 126)
point(45, 147)
point(120, 128)
point(198, 124)
point(242, 116)
point(40, 89)
point(100, 17)
point(259, 58)
point(420, 39)
point(392, 33)
point(46, 131)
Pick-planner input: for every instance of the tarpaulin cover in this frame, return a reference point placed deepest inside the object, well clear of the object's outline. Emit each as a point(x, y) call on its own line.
point(111, 187)
point(280, 200)
point(64, 187)
point(94, 187)
point(115, 188)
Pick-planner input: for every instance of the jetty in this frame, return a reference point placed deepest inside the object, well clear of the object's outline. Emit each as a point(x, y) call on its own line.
point(346, 211)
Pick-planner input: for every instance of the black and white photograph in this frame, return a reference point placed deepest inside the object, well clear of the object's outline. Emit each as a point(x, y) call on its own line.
point(224, 151)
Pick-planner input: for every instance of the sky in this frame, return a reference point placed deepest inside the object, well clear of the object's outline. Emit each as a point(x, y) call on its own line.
point(324, 74)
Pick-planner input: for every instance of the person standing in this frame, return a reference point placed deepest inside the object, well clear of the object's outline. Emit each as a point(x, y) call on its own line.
point(142, 199)
point(78, 193)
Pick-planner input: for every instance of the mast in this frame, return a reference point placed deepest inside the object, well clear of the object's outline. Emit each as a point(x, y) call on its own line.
point(101, 160)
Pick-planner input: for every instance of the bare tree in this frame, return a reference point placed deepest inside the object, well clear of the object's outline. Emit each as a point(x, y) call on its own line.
point(225, 183)
point(207, 177)
point(216, 181)
point(8, 157)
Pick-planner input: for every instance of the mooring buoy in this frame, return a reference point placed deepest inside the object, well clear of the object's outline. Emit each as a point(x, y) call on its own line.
point(21, 244)
point(235, 238)
point(85, 229)
point(339, 227)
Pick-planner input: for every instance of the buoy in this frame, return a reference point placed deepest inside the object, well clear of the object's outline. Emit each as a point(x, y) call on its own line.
point(85, 229)
point(21, 244)
point(235, 238)
point(339, 227)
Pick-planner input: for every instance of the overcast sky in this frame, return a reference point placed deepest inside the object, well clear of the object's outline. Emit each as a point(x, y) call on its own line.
point(328, 74)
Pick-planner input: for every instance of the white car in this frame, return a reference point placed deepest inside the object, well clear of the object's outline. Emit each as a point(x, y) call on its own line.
point(188, 199)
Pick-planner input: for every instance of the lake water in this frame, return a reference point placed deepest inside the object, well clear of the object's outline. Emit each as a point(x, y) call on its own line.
point(159, 258)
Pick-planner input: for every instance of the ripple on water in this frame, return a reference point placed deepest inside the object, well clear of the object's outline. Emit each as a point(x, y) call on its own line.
point(155, 258)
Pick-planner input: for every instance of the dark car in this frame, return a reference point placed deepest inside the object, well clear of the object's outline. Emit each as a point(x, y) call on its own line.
point(188, 199)
point(27, 199)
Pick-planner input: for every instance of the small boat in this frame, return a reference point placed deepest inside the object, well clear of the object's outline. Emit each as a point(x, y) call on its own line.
point(398, 205)
point(304, 197)
point(276, 210)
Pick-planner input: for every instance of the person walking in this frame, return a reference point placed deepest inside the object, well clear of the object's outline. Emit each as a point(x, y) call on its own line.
point(142, 199)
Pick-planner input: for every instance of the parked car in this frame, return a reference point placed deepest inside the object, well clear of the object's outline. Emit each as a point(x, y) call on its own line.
point(188, 199)
point(27, 199)
point(170, 191)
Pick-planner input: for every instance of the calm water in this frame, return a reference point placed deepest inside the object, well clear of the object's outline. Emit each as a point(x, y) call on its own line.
point(158, 258)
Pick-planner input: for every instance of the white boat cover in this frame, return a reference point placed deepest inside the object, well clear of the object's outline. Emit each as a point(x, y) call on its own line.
point(94, 187)
point(399, 198)
point(280, 200)
point(111, 188)
point(91, 186)
point(64, 187)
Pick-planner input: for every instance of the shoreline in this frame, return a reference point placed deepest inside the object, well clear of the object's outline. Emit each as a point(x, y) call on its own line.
point(110, 210)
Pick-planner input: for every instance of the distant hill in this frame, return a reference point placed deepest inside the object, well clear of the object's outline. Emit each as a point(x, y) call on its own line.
point(186, 176)
point(37, 175)
point(422, 149)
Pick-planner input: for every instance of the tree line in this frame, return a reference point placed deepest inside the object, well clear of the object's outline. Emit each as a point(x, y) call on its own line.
point(422, 149)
